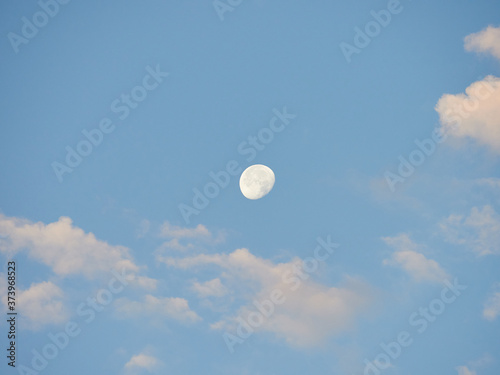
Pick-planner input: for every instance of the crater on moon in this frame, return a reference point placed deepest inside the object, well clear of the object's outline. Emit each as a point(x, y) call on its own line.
point(256, 181)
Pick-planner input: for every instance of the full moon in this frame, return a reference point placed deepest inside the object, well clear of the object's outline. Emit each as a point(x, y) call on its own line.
point(256, 181)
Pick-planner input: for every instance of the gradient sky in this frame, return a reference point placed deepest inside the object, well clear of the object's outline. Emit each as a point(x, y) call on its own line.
point(189, 280)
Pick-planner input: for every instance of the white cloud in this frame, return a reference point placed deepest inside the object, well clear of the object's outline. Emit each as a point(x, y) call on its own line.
point(484, 41)
point(483, 361)
point(142, 361)
point(492, 306)
point(143, 228)
point(416, 264)
point(145, 282)
point(211, 288)
point(313, 313)
point(175, 244)
point(480, 231)
point(40, 305)
point(67, 249)
point(401, 242)
point(183, 239)
point(157, 307)
point(473, 115)
point(492, 182)
point(472, 366)
point(476, 114)
point(310, 313)
point(464, 370)
point(168, 230)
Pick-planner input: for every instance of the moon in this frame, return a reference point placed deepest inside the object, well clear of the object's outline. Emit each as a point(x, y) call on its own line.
point(256, 181)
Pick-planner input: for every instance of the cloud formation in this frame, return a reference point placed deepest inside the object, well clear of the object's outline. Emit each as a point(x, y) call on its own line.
point(142, 361)
point(311, 312)
point(157, 307)
point(62, 246)
point(492, 306)
point(184, 238)
point(474, 115)
point(416, 264)
point(42, 304)
point(464, 370)
point(169, 230)
point(479, 232)
point(484, 41)
point(210, 288)
point(67, 249)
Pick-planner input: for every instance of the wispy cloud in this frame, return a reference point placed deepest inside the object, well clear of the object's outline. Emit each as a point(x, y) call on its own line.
point(479, 232)
point(464, 370)
point(472, 367)
point(184, 238)
point(416, 264)
point(492, 305)
point(210, 288)
point(140, 362)
point(169, 230)
point(310, 313)
point(157, 307)
point(491, 182)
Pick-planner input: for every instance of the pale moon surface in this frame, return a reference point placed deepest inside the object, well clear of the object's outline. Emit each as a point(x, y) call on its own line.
point(256, 181)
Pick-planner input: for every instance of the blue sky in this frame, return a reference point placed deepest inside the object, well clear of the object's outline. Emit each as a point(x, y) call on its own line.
point(197, 80)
